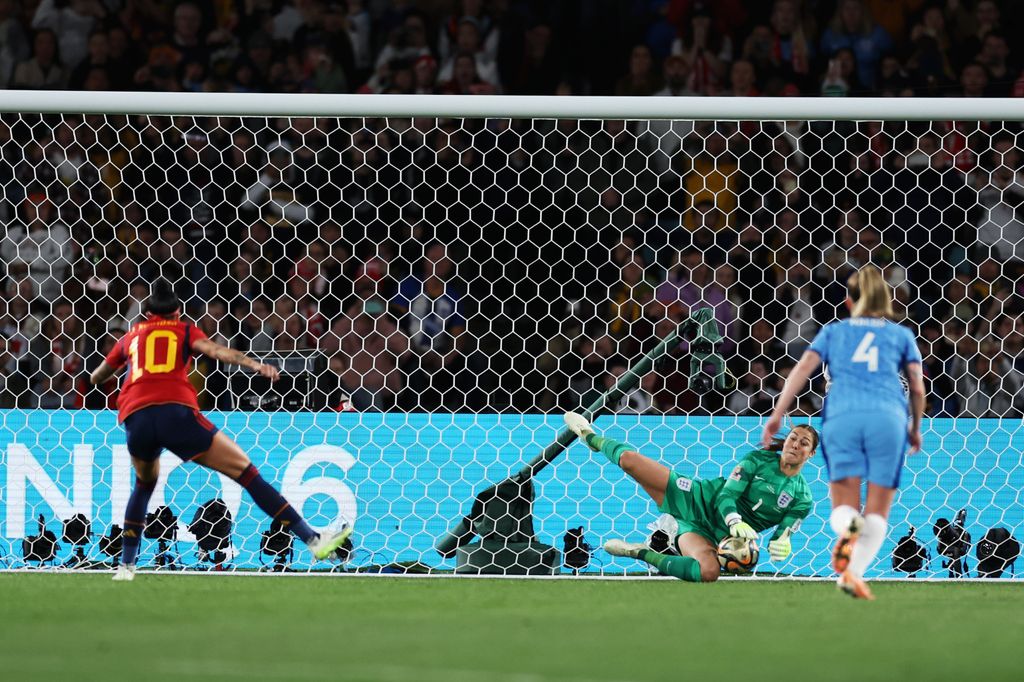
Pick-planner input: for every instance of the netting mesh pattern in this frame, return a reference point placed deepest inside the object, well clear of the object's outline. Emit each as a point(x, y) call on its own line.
point(403, 269)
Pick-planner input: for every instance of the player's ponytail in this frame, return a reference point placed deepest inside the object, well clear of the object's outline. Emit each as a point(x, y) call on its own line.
point(162, 299)
point(874, 297)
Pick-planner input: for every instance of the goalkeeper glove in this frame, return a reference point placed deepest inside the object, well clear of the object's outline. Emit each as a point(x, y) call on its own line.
point(780, 549)
point(738, 528)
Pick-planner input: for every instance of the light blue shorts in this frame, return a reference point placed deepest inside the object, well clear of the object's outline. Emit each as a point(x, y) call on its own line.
point(867, 445)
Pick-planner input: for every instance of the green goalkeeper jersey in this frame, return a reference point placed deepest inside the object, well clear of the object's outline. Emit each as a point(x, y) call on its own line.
point(758, 491)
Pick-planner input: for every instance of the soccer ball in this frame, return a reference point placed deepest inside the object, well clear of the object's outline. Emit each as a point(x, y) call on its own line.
point(737, 555)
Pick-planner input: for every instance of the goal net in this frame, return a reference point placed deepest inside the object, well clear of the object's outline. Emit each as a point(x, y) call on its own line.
point(438, 290)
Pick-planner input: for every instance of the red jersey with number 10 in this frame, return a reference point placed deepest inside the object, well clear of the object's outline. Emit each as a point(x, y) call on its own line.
point(158, 352)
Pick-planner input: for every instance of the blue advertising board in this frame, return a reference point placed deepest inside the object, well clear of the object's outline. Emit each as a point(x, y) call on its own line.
point(404, 479)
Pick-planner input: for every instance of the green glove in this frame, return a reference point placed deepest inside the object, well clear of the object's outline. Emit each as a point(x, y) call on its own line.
point(781, 548)
point(738, 528)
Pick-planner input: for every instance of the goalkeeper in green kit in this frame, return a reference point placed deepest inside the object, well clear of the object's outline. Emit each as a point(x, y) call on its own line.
point(765, 490)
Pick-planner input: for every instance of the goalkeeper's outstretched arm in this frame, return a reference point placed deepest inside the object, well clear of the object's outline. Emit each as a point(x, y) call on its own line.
point(735, 485)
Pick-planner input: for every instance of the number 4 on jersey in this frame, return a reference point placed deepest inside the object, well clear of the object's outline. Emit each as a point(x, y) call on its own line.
point(866, 352)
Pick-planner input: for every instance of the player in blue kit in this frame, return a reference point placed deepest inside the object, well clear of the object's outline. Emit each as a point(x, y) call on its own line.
point(865, 426)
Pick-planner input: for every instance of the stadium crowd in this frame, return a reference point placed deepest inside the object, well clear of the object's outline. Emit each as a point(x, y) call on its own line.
point(495, 265)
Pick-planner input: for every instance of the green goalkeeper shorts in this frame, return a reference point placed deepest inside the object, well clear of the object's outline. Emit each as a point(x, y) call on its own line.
point(683, 505)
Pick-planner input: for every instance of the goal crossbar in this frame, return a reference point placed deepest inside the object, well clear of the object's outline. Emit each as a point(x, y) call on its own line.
point(497, 106)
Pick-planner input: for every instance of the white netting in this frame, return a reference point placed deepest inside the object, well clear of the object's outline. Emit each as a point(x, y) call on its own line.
point(439, 291)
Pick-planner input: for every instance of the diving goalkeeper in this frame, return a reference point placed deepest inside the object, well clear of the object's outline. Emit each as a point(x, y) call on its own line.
point(765, 490)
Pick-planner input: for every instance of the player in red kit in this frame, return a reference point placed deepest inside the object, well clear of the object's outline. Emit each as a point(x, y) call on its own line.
point(157, 406)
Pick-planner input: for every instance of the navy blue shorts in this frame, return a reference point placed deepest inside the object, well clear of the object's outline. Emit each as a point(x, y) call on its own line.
point(179, 428)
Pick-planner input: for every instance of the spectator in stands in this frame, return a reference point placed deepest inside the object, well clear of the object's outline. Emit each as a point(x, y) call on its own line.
point(974, 80)
point(276, 196)
point(430, 310)
point(468, 43)
point(284, 329)
point(14, 44)
point(936, 352)
point(691, 285)
point(1000, 222)
point(742, 80)
point(405, 43)
point(627, 300)
point(538, 71)
point(103, 396)
point(160, 71)
point(425, 76)
point(42, 243)
point(755, 392)
point(448, 38)
point(751, 256)
point(371, 350)
point(931, 61)
point(465, 80)
point(188, 38)
point(714, 175)
point(676, 74)
point(792, 46)
point(294, 335)
point(995, 56)
point(44, 70)
point(72, 22)
point(259, 326)
point(307, 308)
point(705, 49)
point(640, 400)
point(842, 77)
point(360, 33)
point(124, 57)
point(971, 28)
point(853, 28)
point(323, 73)
point(799, 299)
point(641, 79)
point(56, 358)
point(991, 386)
point(13, 353)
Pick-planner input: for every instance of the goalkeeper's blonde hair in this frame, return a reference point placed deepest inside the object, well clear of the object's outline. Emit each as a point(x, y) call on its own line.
point(874, 297)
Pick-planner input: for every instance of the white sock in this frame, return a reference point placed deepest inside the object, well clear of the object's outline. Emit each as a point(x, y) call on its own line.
point(841, 518)
point(870, 541)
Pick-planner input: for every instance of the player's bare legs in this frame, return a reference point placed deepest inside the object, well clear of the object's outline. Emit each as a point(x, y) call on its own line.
point(879, 500)
point(652, 476)
point(226, 457)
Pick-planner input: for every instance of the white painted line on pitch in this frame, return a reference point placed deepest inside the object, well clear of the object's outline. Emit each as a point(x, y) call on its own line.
point(143, 574)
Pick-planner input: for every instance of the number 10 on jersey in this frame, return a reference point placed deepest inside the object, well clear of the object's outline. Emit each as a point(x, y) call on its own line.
point(149, 362)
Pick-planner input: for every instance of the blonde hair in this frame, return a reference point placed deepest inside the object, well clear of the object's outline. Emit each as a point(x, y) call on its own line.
point(874, 297)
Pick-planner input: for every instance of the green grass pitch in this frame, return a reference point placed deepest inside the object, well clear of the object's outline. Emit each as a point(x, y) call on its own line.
point(180, 627)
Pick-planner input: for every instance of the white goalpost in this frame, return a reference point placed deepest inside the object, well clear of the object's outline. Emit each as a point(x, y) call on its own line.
point(440, 278)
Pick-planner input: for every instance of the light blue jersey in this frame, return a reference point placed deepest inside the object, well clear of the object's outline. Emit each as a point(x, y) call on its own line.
point(865, 418)
point(865, 356)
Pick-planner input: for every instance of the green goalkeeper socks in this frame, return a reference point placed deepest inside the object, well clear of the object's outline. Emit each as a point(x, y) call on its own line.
point(682, 567)
point(609, 447)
